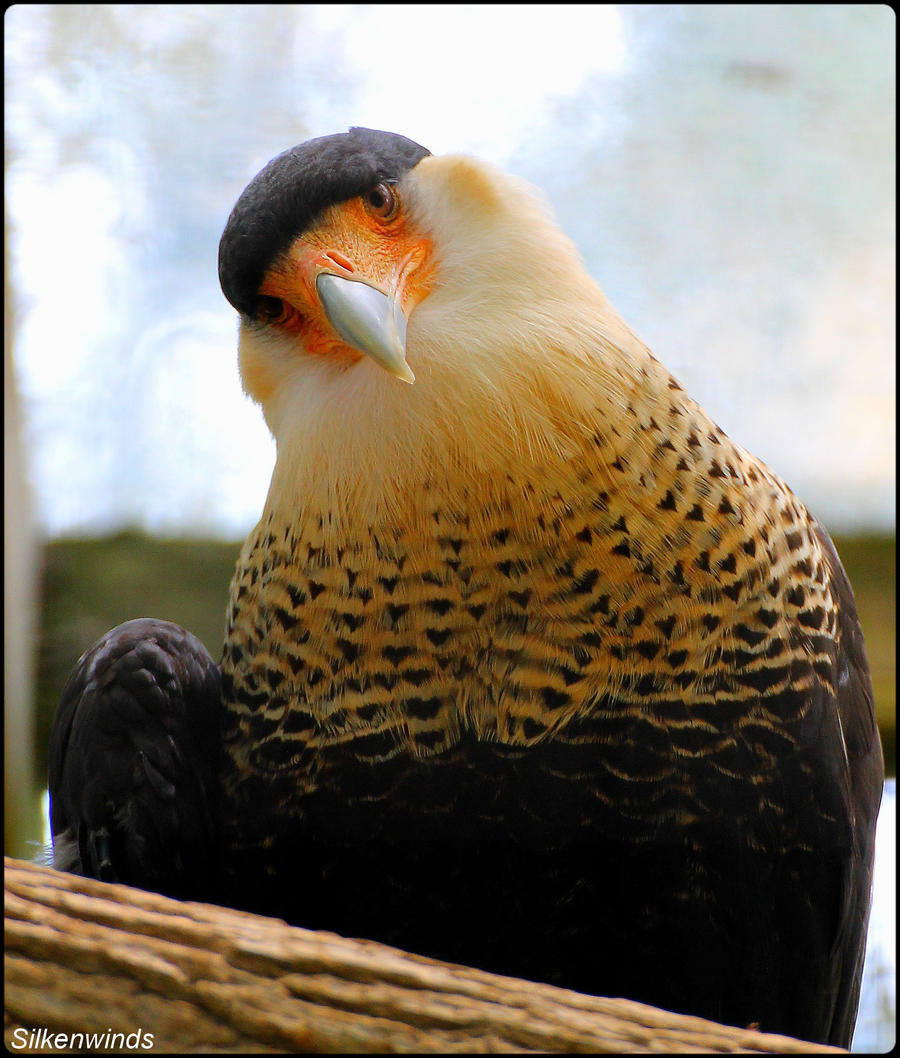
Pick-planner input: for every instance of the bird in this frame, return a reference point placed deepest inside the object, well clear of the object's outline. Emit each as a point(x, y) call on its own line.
point(527, 665)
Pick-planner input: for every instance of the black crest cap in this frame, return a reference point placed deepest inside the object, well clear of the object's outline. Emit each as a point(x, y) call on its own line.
point(283, 199)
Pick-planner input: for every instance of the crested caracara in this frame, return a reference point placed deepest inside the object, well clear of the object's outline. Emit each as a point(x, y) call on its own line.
point(527, 665)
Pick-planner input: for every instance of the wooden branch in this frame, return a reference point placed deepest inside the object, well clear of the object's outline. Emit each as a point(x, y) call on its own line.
point(86, 957)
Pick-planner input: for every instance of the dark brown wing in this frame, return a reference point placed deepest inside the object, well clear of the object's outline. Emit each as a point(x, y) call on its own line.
point(133, 758)
point(863, 782)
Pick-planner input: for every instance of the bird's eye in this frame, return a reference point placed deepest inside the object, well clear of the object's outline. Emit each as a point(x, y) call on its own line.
point(382, 202)
point(271, 310)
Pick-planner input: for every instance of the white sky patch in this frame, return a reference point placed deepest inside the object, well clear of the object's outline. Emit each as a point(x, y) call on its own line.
point(194, 415)
point(46, 830)
point(884, 906)
point(470, 78)
point(201, 418)
point(68, 250)
point(879, 988)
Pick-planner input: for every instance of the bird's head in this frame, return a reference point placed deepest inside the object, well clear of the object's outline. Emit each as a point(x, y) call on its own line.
point(361, 264)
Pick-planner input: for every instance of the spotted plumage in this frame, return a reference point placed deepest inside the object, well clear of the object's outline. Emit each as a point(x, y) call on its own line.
point(527, 665)
point(535, 595)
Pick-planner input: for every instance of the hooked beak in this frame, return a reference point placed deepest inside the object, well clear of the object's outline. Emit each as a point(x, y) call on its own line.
point(368, 320)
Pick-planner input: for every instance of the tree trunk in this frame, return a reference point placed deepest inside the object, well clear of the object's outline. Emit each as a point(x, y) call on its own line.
point(85, 957)
point(20, 604)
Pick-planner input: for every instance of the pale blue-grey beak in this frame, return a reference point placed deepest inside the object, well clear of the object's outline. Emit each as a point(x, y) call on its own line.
point(368, 320)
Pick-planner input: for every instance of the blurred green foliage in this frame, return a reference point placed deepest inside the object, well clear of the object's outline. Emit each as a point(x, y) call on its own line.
point(91, 585)
point(871, 564)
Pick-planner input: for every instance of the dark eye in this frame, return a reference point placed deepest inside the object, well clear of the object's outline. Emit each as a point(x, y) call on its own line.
point(271, 310)
point(382, 202)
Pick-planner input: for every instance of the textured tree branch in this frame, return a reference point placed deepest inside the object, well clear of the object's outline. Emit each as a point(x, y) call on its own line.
point(83, 956)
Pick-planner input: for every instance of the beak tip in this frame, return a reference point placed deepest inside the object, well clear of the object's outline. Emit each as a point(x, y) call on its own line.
point(367, 319)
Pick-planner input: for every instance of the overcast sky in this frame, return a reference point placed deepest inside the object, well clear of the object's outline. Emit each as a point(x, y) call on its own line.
point(727, 172)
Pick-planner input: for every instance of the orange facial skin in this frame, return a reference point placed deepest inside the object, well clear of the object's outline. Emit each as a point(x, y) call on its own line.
point(349, 241)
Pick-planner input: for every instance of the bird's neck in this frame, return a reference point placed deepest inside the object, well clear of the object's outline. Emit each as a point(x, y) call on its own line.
point(618, 519)
point(367, 454)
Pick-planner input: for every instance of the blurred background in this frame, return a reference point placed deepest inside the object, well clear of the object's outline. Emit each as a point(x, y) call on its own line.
point(727, 172)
